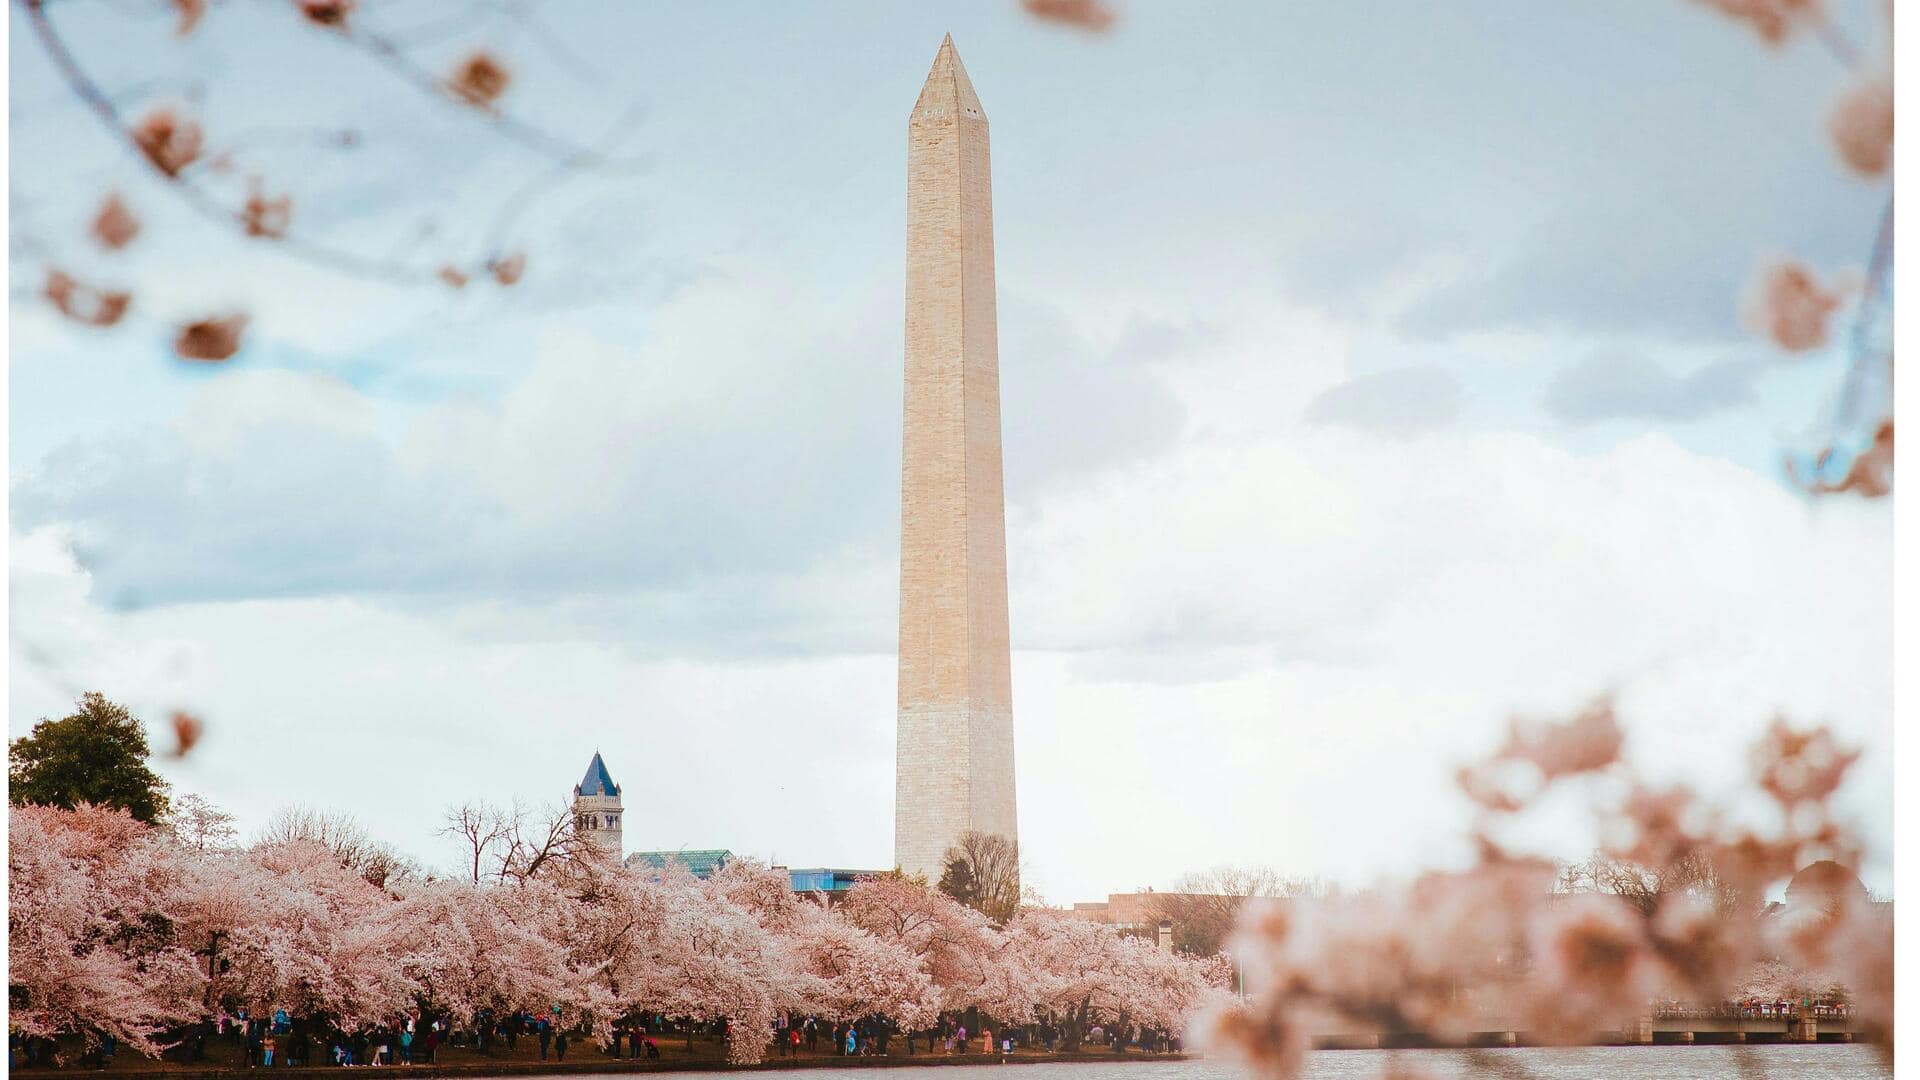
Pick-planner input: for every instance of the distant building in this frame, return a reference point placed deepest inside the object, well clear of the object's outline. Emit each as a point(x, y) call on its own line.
point(829, 884)
point(1125, 911)
point(702, 863)
point(597, 812)
point(1192, 922)
point(596, 807)
point(597, 816)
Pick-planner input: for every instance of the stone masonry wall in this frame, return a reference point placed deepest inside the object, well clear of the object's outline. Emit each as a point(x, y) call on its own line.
point(955, 738)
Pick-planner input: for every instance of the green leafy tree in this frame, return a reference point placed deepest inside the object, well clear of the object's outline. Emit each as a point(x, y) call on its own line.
point(957, 881)
point(97, 754)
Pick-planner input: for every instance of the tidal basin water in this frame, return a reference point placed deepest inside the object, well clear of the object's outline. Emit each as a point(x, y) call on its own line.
point(1788, 1062)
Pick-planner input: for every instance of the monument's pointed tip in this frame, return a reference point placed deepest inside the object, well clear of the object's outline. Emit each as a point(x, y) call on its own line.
point(948, 90)
point(946, 59)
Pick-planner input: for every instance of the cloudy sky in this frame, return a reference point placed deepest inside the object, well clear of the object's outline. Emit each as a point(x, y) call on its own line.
point(1368, 379)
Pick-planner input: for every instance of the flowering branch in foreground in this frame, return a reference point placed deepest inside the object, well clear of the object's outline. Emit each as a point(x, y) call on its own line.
point(1498, 947)
point(1790, 307)
point(171, 142)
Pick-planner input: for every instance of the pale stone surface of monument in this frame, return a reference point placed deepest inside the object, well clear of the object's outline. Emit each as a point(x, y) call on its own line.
point(955, 751)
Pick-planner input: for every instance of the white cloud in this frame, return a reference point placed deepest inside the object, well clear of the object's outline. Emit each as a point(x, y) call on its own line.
point(1270, 651)
point(1626, 386)
point(723, 449)
point(1356, 617)
point(1397, 402)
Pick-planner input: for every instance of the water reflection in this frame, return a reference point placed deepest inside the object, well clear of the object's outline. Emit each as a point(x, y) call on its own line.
point(1785, 1061)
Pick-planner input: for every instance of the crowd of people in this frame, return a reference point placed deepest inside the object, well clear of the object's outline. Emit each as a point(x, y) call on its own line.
point(284, 1041)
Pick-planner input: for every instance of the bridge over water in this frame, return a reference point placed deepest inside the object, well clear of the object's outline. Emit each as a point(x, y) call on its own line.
point(1664, 1027)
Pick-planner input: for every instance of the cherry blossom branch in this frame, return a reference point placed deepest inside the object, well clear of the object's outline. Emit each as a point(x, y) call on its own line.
point(391, 55)
point(1879, 270)
point(197, 198)
point(1829, 35)
point(546, 183)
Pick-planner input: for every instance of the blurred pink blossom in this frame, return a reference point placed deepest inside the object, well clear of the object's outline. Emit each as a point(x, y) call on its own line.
point(1861, 125)
point(1093, 15)
point(1771, 19)
point(1792, 308)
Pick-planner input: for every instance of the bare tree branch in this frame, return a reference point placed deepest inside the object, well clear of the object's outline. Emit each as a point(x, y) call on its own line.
point(481, 828)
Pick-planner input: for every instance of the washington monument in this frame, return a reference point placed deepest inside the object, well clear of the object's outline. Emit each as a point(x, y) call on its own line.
point(955, 749)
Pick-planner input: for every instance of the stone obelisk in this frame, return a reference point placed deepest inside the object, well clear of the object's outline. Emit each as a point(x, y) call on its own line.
point(955, 750)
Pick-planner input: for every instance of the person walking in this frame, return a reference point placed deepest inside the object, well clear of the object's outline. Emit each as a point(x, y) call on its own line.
point(560, 1046)
point(546, 1037)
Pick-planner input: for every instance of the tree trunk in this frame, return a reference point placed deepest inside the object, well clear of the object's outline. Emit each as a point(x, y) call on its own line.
point(1076, 1025)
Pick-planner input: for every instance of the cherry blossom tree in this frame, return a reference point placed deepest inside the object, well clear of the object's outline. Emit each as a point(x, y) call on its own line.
point(470, 948)
point(201, 825)
point(113, 918)
point(1777, 980)
point(342, 834)
point(843, 973)
point(956, 946)
point(764, 892)
point(833, 968)
point(296, 928)
point(1085, 973)
point(665, 943)
point(91, 948)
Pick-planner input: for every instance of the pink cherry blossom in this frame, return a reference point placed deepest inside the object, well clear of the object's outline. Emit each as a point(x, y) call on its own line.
point(1861, 126)
point(1792, 308)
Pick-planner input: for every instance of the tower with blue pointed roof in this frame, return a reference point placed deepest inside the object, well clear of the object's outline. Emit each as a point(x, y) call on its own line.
point(596, 808)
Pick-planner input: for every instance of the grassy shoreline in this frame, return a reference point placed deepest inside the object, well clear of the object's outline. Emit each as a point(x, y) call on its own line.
point(595, 1063)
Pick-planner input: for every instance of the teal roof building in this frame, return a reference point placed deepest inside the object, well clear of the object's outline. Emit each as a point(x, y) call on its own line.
point(702, 864)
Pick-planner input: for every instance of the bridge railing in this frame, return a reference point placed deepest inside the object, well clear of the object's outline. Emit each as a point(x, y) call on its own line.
point(1781, 1010)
